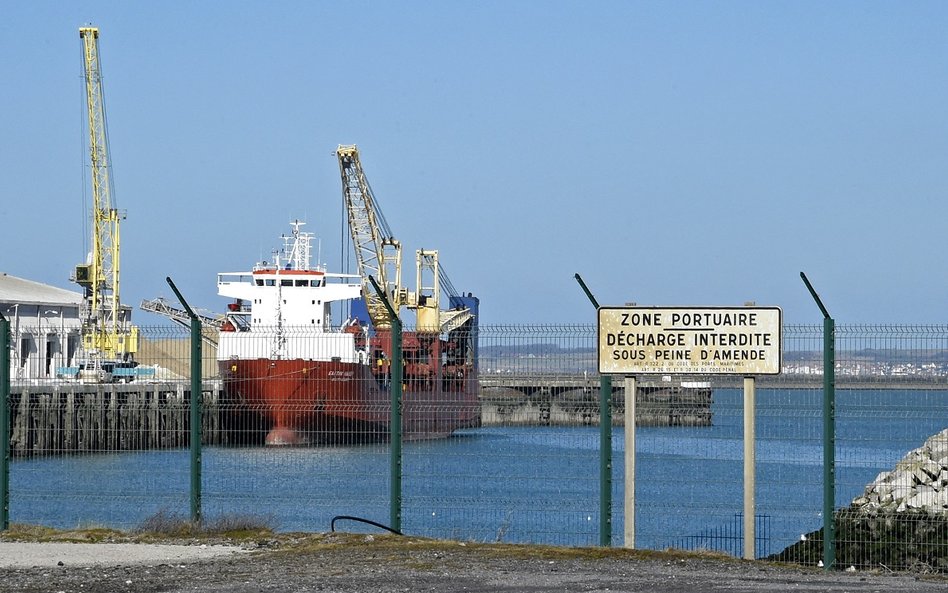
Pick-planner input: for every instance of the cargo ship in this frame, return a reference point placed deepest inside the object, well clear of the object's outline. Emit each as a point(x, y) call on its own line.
point(306, 379)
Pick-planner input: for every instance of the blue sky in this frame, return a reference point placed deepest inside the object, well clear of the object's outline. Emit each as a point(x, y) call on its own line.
point(673, 153)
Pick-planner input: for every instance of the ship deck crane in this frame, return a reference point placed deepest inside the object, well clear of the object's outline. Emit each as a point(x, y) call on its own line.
point(378, 254)
point(440, 355)
point(107, 333)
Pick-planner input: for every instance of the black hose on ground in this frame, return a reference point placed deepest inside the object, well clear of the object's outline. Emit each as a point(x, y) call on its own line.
point(332, 524)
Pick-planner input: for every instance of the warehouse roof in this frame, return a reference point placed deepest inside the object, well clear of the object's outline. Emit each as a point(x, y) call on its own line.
point(28, 292)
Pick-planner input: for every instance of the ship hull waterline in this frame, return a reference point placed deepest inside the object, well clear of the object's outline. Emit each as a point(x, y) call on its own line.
point(305, 402)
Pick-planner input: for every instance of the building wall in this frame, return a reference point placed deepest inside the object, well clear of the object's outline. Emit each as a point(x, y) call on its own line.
point(44, 337)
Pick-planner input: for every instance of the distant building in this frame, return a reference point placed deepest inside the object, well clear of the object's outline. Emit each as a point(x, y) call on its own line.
point(44, 327)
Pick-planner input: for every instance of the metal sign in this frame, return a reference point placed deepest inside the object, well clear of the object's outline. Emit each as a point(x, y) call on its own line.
point(690, 340)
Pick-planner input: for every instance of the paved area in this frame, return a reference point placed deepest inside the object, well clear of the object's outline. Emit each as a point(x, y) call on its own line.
point(29, 555)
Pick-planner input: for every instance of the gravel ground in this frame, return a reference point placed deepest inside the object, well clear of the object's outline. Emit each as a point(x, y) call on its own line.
point(361, 564)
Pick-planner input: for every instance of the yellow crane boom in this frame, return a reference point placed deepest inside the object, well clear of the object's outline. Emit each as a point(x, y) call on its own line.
point(106, 330)
point(378, 253)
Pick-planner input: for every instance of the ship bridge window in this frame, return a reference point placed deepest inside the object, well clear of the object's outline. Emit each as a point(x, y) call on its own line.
point(286, 283)
point(259, 282)
point(271, 282)
point(316, 283)
point(301, 283)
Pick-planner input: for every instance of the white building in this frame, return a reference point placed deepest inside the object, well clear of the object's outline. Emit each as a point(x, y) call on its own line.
point(44, 327)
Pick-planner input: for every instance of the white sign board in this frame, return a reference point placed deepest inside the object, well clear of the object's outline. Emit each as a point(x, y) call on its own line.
point(689, 340)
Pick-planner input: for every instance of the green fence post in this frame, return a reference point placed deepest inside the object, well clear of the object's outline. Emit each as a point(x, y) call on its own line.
point(829, 431)
point(395, 422)
point(829, 442)
point(196, 401)
point(4, 423)
point(605, 444)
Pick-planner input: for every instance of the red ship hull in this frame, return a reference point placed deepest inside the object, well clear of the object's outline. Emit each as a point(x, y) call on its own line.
point(305, 402)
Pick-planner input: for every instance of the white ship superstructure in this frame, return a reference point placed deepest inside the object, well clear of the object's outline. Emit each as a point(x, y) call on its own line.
point(283, 309)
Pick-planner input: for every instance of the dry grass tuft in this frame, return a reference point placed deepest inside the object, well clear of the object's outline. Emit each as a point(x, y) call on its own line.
point(174, 525)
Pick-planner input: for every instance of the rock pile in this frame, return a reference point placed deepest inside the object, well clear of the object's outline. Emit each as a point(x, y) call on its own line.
point(900, 522)
point(919, 482)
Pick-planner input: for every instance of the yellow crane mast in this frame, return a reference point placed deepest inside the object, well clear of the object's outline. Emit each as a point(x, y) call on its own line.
point(107, 333)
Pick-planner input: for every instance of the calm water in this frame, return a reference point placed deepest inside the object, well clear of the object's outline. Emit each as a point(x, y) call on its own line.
point(524, 484)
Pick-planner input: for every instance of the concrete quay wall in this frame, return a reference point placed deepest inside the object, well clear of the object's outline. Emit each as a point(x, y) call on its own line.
point(76, 418)
point(655, 405)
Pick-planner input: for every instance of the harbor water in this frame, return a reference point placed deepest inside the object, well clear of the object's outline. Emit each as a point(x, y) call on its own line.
point(514, 484)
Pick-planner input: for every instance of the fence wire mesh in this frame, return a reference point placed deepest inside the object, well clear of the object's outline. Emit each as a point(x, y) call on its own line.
point(500, 445)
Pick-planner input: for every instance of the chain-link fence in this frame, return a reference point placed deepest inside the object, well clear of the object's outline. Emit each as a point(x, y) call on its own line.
point(500, 442)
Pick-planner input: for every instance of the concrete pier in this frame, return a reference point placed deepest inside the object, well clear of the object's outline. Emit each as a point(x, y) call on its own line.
point(65, 418)
point(75, 418)
point(545, 402)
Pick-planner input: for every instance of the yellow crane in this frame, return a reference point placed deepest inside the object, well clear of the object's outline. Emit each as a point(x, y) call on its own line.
point(378, 254)
point(107, 332)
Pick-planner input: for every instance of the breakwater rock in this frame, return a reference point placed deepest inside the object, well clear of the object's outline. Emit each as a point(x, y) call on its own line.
point(900, 522)
point(919, 482)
